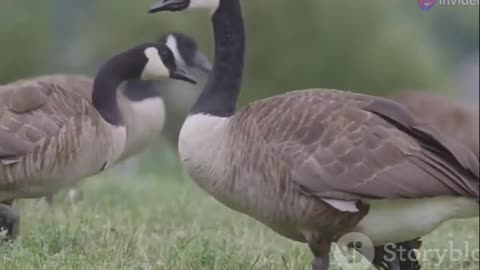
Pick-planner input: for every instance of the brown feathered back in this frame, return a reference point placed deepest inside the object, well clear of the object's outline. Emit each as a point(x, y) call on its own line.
point(343, 145)
point(33, 110)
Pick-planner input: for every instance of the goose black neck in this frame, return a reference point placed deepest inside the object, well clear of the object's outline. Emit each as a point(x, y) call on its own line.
point(220, 95)
point(104, 95)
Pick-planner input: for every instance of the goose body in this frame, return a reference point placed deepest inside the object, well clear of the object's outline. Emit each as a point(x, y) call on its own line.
point(143, 118)
point(141, 105)
point(315, 165)
point(321, 153)
point(52, 135)
point(47, 138)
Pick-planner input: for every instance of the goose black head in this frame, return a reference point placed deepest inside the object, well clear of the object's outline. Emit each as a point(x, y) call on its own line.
point(186, 51)
point(149, 61)
point(179, 5)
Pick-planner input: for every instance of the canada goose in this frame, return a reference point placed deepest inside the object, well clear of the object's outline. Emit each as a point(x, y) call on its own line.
point(178, 102)
point(453, 119)
point(140, 104)
point(51, 136)
point(316, 164)
point(147, 104)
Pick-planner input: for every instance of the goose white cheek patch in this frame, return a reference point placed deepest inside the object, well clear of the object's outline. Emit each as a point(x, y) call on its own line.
point(173, 45)
point(212, 5)
point(155, 68)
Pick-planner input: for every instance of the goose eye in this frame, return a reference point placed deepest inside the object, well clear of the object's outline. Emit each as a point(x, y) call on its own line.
point(166, 55)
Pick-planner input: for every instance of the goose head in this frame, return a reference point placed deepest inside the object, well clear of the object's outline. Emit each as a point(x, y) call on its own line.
point(180, 5)
point(149, 61)
point(161, 64)
point(186, 51)
point(187, 56)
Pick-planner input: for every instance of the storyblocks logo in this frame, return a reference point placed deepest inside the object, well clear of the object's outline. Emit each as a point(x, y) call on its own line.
point(356, 251)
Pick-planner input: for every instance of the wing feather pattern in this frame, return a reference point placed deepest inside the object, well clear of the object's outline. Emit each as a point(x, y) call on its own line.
point(342, 145)
point(33, 111)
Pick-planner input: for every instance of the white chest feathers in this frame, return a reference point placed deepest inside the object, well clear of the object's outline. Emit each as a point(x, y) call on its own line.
point(203, 147)
point(118, 141)
point(144, 121)
point(150, 111)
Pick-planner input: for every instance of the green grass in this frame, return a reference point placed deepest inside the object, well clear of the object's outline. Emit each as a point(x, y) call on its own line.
point(155, 223)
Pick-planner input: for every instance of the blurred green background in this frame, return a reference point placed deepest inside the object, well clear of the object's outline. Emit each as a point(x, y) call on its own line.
point(373, 46)
point(160, 221)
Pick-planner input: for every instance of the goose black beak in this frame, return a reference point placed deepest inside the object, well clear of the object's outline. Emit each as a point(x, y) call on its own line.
point(168, 5)
point(201, 62)
point(182, 75)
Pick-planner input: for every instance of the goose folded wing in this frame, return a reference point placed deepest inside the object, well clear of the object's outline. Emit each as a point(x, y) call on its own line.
point(30, 112)
point(350, 146)
point(75, 83)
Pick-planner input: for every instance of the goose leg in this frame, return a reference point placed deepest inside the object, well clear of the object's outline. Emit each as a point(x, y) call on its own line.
point(384, 260)
point(410, 261)
point(72, 196)
point(49, 199)
point(321, 251)
point(9, 220)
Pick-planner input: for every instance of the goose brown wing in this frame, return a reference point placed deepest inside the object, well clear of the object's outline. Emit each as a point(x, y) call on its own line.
point(343, 145)
point(452, 119)
point(32, 111)
point(76, 84)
